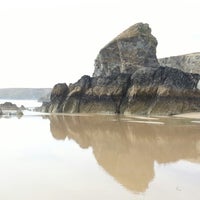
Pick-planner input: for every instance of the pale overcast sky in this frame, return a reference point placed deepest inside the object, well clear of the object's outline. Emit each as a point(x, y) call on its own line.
point(43, 42)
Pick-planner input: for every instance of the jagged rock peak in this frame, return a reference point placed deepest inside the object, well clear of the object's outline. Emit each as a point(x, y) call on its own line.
point(130, 50)
point(134, 30)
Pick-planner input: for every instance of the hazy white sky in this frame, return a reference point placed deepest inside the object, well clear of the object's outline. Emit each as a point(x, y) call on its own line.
point(43, 42)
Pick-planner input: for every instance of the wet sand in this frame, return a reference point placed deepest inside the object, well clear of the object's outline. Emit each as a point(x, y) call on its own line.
point(194, 115)
point(85, 157)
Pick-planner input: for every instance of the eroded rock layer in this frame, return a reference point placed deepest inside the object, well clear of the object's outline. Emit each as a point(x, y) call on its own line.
point(160, 90)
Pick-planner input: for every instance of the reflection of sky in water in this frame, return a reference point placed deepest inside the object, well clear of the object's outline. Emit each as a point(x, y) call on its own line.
point(34, 165)
point(179, 180)
point(90, 164)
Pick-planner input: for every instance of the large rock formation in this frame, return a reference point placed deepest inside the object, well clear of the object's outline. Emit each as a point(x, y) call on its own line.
point(128, 79)
point(188, 63)
point(134, 48)
point(160, 90)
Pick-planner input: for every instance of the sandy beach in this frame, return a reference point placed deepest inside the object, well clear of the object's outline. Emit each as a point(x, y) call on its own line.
point(193, 115)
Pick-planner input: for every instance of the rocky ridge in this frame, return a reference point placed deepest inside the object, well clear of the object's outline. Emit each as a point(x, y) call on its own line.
point(129, 80)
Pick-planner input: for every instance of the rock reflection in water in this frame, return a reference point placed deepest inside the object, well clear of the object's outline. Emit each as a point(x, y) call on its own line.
point(127, 151)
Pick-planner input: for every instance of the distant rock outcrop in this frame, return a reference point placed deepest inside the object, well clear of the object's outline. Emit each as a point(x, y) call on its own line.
point(9, 109)
point(8, 106)
point(188, 62)
point(128, 79)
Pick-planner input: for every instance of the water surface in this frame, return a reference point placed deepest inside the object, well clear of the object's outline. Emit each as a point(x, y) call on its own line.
point(99, 157)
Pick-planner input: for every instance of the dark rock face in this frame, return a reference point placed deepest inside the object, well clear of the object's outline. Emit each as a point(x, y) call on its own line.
point(159, 90)
point(97, 94)
point(133, 48)
point(105, 94)
point(128, 79)
point(162, 90)
point(58, 95)
point(59, 91)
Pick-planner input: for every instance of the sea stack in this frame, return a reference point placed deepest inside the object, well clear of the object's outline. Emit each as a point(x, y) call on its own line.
point(128, 79)
point(132, 49)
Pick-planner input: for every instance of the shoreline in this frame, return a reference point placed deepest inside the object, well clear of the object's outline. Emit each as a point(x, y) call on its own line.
point(191, 115)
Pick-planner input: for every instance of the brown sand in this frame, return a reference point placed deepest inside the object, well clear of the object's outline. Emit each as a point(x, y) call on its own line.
point(195, 115)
